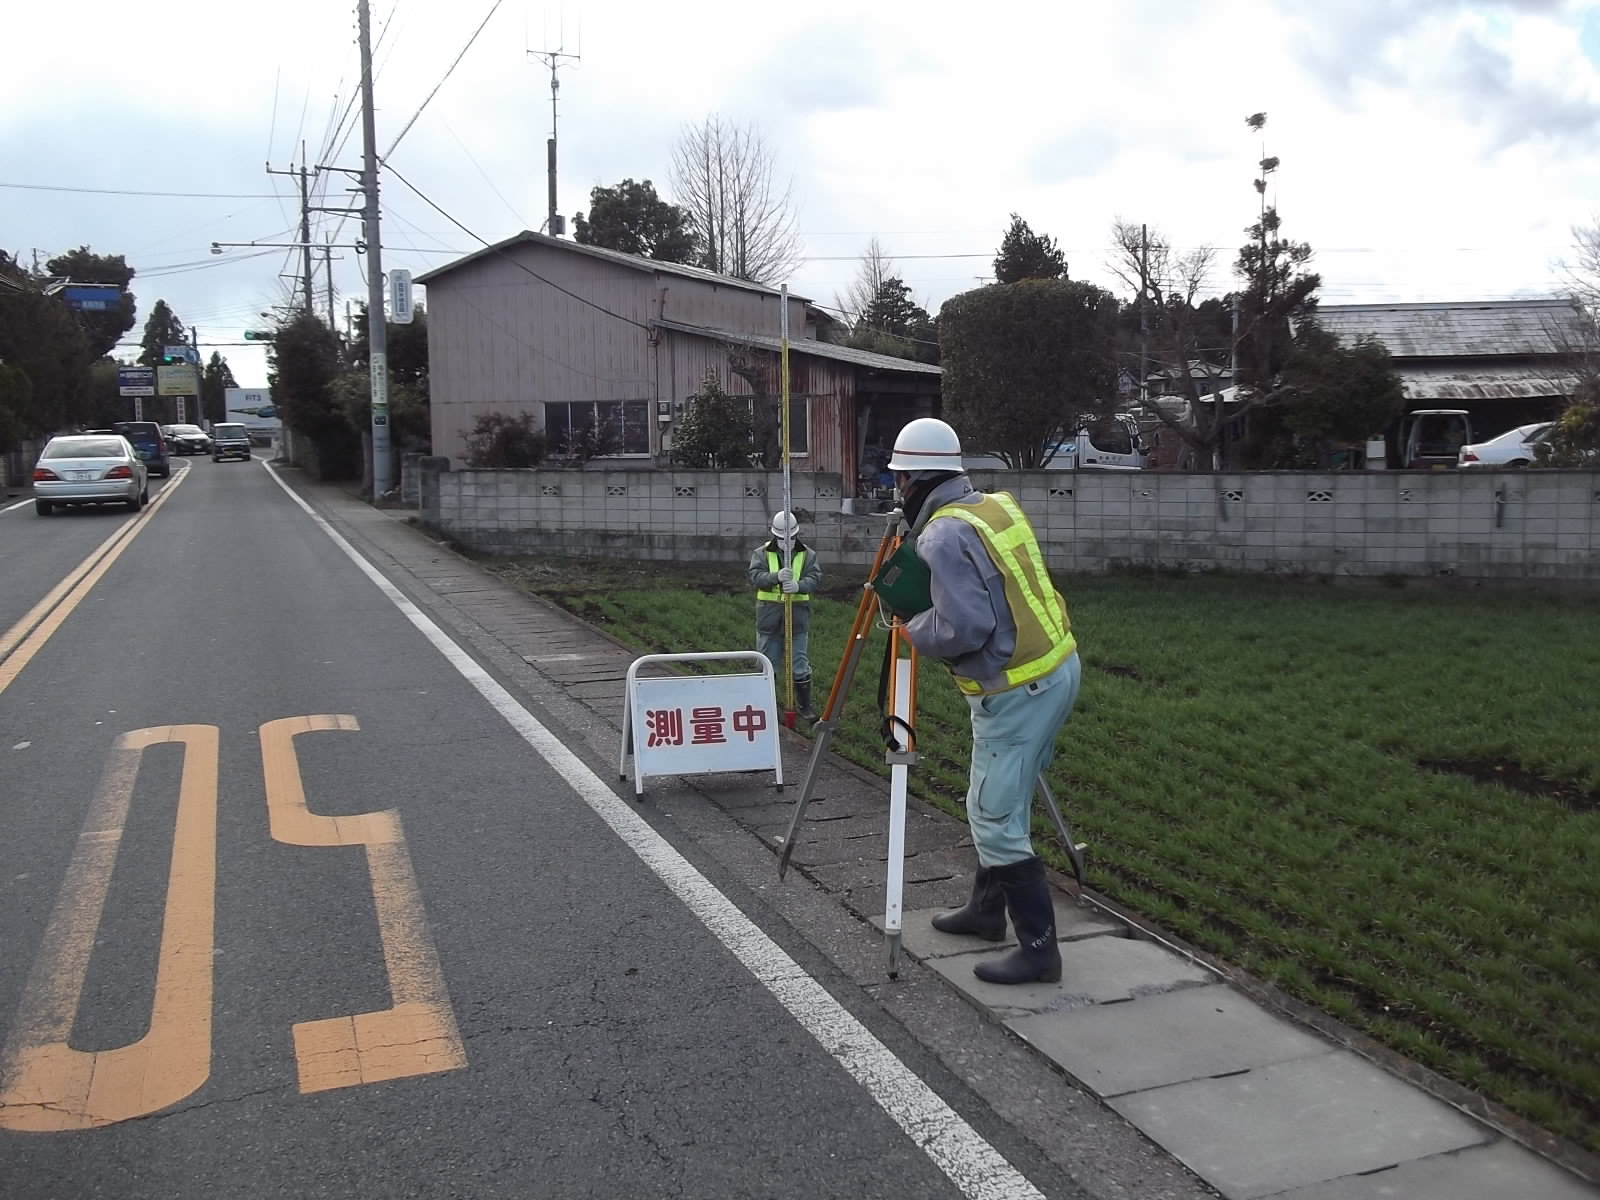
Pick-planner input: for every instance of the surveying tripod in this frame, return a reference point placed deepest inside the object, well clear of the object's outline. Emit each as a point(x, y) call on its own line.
point(899, 692)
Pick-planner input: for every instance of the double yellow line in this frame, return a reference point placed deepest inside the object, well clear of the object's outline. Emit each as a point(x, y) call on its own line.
point(25, 639)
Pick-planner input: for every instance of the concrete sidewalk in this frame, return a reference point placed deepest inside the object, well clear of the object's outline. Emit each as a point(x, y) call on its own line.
point(1253, 1103)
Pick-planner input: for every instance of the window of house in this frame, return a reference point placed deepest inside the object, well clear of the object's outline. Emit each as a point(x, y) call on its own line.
point(623, 424)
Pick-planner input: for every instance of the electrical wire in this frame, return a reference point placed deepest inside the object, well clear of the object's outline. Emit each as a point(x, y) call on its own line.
point(521, 220)
point(519, 265)
point(494, 8)
point(46, 187)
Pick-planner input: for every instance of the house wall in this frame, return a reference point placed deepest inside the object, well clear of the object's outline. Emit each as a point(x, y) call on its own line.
point(501, 340)
point(1516, 525)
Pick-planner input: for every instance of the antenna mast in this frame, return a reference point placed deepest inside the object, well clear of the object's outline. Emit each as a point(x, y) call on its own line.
point(555, 224)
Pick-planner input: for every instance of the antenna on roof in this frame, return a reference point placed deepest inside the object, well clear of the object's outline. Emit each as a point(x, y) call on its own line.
point(555, 224)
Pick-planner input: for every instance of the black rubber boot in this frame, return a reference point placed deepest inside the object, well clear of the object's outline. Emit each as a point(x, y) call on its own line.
point(984, 915)
point(802, 695)
point(1037, 958)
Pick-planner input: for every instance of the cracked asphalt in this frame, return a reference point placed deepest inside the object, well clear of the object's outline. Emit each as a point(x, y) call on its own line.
point(612, 1045)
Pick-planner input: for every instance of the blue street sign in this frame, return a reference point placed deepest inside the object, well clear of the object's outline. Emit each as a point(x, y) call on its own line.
point(136, 381)
point(92, 297)
point(187, 353)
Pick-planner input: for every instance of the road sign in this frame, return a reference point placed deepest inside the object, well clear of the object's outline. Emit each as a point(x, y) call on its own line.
point(92, 297)
point(180, 380)
point(136, 381)
point(401, 309)
point(699, 724)
point(187, 353)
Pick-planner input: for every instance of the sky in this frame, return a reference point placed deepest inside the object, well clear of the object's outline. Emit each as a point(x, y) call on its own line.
point(1430, 149)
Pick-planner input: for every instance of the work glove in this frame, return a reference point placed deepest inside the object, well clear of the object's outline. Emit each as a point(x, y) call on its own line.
point(785, 574)
point(789, 585)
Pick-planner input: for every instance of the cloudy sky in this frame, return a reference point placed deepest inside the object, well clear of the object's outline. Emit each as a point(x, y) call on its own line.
point(1431, 149)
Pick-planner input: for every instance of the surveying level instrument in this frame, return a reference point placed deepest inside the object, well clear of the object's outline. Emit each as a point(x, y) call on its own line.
point(897, 583)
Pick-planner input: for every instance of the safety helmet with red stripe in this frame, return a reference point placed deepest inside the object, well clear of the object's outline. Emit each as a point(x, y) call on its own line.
point(926, 444)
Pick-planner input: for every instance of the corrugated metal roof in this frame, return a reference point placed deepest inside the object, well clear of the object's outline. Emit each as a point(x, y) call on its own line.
point(634, 261)
point(846, 354)
point(1488, 382)
point(1506, 328)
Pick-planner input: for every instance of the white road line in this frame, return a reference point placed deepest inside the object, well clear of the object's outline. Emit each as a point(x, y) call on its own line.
point(18, 504)
point(970, 1162)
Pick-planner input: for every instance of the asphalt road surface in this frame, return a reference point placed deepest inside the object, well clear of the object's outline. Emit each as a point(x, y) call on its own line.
point(297, 900)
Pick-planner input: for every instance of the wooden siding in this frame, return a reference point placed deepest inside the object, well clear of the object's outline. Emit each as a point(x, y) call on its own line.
point(686, 358)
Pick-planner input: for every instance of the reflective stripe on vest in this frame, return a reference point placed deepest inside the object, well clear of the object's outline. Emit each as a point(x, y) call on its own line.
point(1044, 634)
point(773, 563)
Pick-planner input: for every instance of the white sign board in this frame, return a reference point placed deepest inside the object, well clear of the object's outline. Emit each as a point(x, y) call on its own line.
point(401, 308)
point(699, 724)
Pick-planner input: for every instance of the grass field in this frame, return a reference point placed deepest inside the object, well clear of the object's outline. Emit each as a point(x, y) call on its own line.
point(1386, 802)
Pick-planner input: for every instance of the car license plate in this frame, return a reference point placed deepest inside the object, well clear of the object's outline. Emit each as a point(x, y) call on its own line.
point(82, 474)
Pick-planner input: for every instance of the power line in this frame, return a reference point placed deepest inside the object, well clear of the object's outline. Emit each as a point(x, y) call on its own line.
point(46, 187)
point(494, 8)
point(519, 265)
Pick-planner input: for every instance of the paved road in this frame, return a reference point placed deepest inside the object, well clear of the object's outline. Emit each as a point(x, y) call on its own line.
point(288, 908)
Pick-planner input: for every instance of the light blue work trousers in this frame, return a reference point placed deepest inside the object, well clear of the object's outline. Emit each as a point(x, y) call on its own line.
point(1013, 740)
point(771, 644)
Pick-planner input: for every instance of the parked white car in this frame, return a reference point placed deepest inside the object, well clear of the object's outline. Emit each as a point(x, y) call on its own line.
point(1514, 448)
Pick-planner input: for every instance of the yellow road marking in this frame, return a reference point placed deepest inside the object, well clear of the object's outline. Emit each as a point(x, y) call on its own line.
point(46, 617)
point(45, 1085)
point(417, 1036)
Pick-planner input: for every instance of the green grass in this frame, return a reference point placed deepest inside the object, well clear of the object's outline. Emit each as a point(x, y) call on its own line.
point(1244, 762)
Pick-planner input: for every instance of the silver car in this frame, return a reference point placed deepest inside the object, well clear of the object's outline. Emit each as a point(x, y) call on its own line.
point(89, 468)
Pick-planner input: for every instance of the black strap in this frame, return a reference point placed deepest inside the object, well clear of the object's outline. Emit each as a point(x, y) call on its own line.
point(886, 727)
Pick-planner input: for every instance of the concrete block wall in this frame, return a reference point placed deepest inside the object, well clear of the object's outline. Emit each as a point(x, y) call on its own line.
point(1468, 524)
point(686, 515)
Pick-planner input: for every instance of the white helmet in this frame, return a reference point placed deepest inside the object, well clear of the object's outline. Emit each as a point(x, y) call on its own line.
point(784, 526)
point(926, 444)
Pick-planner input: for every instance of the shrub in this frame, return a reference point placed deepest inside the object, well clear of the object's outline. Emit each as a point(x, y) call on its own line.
point(715, 430)
point(498, 440)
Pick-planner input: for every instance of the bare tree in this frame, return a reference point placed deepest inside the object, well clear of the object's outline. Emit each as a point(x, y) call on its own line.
point(1582, 270)
point(875, 269)
point(1166, 285)
point(723, 175)
point(759, 370)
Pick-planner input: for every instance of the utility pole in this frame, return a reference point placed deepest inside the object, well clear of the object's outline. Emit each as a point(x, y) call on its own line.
point(305, 225)
point(377, 328)
point(199, 375)
point(328, 257)
point(1144, 316)
point(555, 225)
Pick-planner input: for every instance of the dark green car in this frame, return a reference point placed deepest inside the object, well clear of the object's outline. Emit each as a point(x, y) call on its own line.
point(229, 441)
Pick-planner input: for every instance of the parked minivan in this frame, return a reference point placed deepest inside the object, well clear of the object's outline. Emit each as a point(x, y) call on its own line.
point(148, 444)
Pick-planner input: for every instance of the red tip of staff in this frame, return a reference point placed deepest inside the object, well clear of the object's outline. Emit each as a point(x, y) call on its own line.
point(788, 718)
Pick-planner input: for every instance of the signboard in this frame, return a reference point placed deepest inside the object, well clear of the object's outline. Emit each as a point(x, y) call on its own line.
point(181, 380)
point(136, 381)
point(187, 353)
point(401, 307)
point(92, 297)
point(253, 408)
point(700, 724)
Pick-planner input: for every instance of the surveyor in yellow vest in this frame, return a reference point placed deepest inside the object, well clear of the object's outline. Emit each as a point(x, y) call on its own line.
point(778, 585)
point(1000, 625)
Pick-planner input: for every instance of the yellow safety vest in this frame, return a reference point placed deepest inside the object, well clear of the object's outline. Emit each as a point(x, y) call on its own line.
point(1044, 634)
point(773, 564)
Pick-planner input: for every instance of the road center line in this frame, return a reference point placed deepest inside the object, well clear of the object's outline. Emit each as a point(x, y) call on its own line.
point(46, 616)
point(966, 1158)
